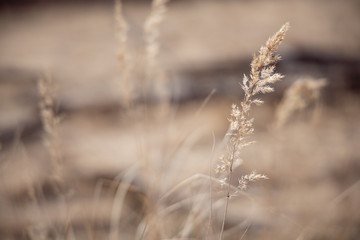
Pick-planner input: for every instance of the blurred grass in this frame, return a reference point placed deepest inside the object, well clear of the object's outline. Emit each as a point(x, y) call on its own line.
point(313, 163)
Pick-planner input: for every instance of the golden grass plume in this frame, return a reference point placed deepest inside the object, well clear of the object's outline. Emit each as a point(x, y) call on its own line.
point(262, 75)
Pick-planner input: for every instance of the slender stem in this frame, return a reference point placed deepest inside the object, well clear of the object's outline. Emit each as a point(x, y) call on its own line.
point(210, 187)
point(224, 217)
point(228, 190)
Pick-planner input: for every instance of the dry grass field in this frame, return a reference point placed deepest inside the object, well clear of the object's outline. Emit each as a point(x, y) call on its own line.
point(117, 120)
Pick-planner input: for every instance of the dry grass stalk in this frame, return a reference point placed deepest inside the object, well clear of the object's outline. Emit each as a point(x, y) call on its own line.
point(118, 203)
point(151, 27)
point(297, 97)
point(241, 125)
point(121, 29)
point(121, 34)
point(155, 77)
point(50, 123)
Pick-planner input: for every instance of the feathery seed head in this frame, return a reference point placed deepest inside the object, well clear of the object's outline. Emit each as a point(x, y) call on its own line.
point(244, 180)
point(241, 125)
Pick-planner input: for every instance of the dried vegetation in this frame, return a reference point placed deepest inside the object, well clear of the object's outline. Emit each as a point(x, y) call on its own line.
point(178, 184)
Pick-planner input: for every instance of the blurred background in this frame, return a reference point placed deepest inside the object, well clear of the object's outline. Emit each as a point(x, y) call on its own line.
point(313, 161)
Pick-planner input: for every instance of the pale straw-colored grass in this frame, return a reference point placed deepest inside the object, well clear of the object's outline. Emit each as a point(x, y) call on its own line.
point(298, 96)
point(50, 121)
point(156, 79)
point(262, 75)
point(123, 54)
